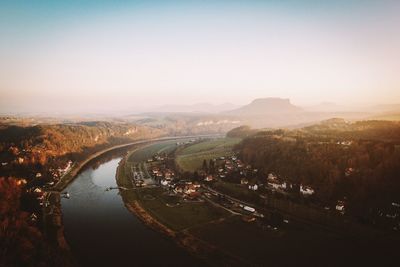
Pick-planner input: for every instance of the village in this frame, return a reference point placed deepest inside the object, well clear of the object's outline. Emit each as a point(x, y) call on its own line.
point(160, 170)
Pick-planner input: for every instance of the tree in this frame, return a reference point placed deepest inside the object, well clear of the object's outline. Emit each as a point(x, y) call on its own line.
point(205, 167)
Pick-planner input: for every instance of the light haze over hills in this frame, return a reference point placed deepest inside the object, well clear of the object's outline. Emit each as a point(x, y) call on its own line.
point(103, 57)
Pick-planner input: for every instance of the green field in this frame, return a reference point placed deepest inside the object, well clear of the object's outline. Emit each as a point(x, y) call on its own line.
point(191, 158)
point(175, 213)
point(146, 152)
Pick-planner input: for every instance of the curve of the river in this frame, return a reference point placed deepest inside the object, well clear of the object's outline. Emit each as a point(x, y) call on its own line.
point(102, 232)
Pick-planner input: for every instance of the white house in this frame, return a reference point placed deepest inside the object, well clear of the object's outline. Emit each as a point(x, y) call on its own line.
point(306, 190)
point(37, 190)
point(340, 206)
point(253, 187)
point(209, 178)
point(244, 181)
point(272, 177)
point(165, 182)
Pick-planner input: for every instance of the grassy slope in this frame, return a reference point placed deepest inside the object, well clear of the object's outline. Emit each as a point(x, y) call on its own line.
point(191, 158)
point(147, 152)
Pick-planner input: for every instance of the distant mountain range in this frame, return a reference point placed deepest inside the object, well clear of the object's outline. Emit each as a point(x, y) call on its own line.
point(198, 108)
point(280, 112)
point(268, 112)
point(208, 118)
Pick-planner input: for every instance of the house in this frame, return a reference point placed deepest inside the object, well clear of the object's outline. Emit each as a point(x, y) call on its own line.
point(348, 171)
point(165, 182)
point(340, 206)
point(274, 185)
point(37, 190)
point(273, 182)
point(33, 217)
point(306, 190)
point(66, 168)
point(394, 204)
point(253, 187)
point(169, 174)
point(186, 188)
point(345, 143)
point(178, 189)
point(21, 182)
point(209, 178)
point(244, 181)
point(196, 185)
point(272, 177)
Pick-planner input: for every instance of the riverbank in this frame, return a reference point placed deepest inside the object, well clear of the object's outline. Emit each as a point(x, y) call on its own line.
point(69, 177)
point(52, 215)
point(209, 254)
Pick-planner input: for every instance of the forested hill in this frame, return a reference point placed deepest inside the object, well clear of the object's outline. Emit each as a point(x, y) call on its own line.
point(371, 129)
point(37, 144)
point(358, 161)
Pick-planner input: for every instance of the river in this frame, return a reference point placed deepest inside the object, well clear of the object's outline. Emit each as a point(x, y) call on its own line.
point(102, 232)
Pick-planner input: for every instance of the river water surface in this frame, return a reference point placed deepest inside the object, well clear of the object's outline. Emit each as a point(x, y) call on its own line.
point(102, 232)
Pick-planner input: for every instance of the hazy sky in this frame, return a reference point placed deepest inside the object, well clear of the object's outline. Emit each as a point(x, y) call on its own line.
point(126, 55)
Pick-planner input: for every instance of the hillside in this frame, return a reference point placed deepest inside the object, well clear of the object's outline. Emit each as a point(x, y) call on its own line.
point(27, 150)
point(189, 123)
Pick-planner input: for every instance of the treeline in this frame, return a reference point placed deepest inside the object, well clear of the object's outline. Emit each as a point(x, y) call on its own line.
point(241, 132)
point(358, 162)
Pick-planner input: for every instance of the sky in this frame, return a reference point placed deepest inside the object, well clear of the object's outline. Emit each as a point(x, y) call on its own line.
point(125, 56)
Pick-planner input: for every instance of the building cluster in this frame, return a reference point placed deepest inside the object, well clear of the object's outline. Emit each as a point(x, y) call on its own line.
point(186, 189)
point(250, 177)
point(163, 174)
point(226, 166)
point(57, 173)
point(389, 215)
point(166, 177)
point(283, 186)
